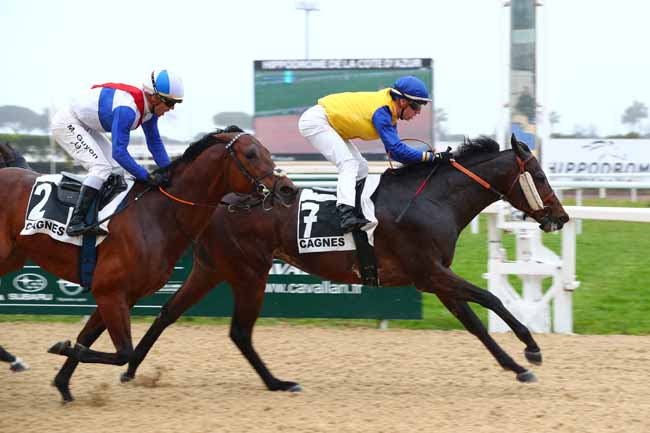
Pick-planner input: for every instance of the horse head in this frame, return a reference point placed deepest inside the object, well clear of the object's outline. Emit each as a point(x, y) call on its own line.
point(242, 163)
point(258, 173)
point(531, 193)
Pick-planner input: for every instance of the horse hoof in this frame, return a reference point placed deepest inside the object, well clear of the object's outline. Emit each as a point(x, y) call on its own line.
point(533, 357)
point(125, 377)
point(64, 391)
point(526, 377)
point(285, 386)
point(60, 347)
point(295, 388)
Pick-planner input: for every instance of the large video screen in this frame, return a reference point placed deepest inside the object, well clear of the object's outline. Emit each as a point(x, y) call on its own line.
point(284, 89)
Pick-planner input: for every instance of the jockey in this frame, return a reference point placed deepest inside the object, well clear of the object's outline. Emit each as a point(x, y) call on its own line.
point(340, 117)
point(118, 109)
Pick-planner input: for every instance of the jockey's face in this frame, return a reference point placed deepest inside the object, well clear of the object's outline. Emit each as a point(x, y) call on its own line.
point(408, 112)
point(160, 107)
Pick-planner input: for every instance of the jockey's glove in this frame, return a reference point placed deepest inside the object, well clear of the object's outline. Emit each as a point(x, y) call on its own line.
point(445, 156)
point(157, 179)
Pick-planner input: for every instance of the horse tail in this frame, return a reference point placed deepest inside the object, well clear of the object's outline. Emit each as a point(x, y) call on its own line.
point(10, 157)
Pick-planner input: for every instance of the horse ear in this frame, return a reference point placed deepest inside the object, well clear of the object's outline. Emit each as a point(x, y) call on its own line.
point(521, 149)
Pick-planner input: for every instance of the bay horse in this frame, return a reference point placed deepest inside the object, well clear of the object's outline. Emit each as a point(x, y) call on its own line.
point(146, 239)
point(418, 250)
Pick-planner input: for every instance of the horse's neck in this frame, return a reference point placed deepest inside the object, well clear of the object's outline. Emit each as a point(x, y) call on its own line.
point(472, 198)
point(192, 187)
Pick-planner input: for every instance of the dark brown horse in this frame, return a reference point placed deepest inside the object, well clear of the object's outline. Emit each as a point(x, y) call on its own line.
point(240, 248)
point(146, 239)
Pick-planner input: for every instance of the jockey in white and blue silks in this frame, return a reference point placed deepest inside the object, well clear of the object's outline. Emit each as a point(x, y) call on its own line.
point(116, 108)
point(340, 117)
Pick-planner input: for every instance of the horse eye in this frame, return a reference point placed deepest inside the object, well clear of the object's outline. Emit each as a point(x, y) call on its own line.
point(250, 154)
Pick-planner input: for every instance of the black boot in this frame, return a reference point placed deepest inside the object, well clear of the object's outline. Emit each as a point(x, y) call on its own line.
point(77, 225)
point(349, 219)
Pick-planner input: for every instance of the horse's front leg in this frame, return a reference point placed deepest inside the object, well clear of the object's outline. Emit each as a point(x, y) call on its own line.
point(248, 304)
point(473, 324)
point(88, 335)
point(454, 287)
point(114, 311)
point(200, 281)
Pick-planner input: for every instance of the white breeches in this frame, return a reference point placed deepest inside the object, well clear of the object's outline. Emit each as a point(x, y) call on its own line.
point(88, 147)
point(351, 166)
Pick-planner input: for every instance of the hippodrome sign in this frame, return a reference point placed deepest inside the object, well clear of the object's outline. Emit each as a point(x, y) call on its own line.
point(597, 157)
point(290, 293)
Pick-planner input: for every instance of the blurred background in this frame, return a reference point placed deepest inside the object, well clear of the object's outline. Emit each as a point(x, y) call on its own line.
point(544, 68)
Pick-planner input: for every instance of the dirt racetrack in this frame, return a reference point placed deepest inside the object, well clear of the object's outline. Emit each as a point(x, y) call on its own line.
point(354, 380)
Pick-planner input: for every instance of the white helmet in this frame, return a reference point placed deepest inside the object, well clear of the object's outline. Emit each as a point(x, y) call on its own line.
point(165, 84)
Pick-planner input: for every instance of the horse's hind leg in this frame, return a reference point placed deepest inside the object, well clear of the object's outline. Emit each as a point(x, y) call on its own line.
point(88, 335)
point(248, 304)
point(197, 285)
point(473, 324)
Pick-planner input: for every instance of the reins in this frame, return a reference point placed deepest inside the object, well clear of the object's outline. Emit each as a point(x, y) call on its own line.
point(478, 179)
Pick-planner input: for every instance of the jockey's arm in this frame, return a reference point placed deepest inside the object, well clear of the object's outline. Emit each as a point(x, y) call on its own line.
point(123, 118)
point(382, 120)
point(154, 142)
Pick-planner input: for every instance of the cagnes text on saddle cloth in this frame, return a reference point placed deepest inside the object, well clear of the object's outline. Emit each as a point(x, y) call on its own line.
point(318, 227)
point(46, 214)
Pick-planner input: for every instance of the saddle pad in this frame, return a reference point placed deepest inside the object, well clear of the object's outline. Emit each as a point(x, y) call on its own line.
point(46, 214)
point(318, 228)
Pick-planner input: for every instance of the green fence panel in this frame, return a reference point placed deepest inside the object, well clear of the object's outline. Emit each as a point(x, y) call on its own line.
point(289, 293)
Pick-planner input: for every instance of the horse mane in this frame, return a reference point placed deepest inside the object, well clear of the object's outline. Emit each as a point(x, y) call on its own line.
point(481, 145)
point(197, 147)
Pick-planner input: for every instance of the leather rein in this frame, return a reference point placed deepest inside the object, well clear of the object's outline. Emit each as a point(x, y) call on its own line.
point(522, 169)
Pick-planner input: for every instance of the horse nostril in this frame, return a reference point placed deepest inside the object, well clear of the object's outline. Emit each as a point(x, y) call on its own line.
point(287, 190)
point(564, 218)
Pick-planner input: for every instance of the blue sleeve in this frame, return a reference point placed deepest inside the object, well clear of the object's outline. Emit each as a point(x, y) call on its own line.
point(154, 142)
point(382, 119)
point(123, 118)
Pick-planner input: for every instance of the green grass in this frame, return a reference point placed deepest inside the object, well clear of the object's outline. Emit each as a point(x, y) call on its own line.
point(612, 266)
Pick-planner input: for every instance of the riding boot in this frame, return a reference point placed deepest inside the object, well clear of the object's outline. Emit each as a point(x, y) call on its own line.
point(77, 225)
point(349, 219)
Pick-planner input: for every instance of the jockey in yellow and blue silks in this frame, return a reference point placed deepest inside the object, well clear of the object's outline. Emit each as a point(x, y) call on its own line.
point(340, 117)
point(116, 108)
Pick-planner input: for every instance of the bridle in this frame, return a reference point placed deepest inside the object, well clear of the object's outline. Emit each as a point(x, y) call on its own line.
point(257, 181)
point(524, 178)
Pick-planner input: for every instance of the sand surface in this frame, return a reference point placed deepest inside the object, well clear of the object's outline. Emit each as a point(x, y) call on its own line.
point(354, 380)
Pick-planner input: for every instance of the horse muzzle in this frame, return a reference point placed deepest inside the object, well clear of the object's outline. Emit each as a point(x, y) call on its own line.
point(550, 223)
point(285, 191)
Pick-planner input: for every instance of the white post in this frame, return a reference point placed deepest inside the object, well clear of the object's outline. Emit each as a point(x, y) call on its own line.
point(474, 225)
point(578, 203)
point(563, 301)
point(602, 193)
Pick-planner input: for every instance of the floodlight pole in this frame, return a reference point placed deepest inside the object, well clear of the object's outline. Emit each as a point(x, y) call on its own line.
point(307, 6)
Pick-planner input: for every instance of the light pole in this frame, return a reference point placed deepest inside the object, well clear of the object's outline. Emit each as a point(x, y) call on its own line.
point(307, 6)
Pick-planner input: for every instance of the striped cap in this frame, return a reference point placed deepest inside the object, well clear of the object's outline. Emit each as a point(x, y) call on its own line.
point(412, 88)
point(165, 83)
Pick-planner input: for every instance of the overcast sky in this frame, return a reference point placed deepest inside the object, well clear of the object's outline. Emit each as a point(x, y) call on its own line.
point(597, 59)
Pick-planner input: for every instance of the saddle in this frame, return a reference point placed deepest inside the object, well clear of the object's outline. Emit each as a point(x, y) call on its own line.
point(68, 191)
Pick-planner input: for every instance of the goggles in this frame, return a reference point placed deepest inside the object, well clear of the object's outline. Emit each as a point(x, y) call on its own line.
point(169, 102)
point(416, 105)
